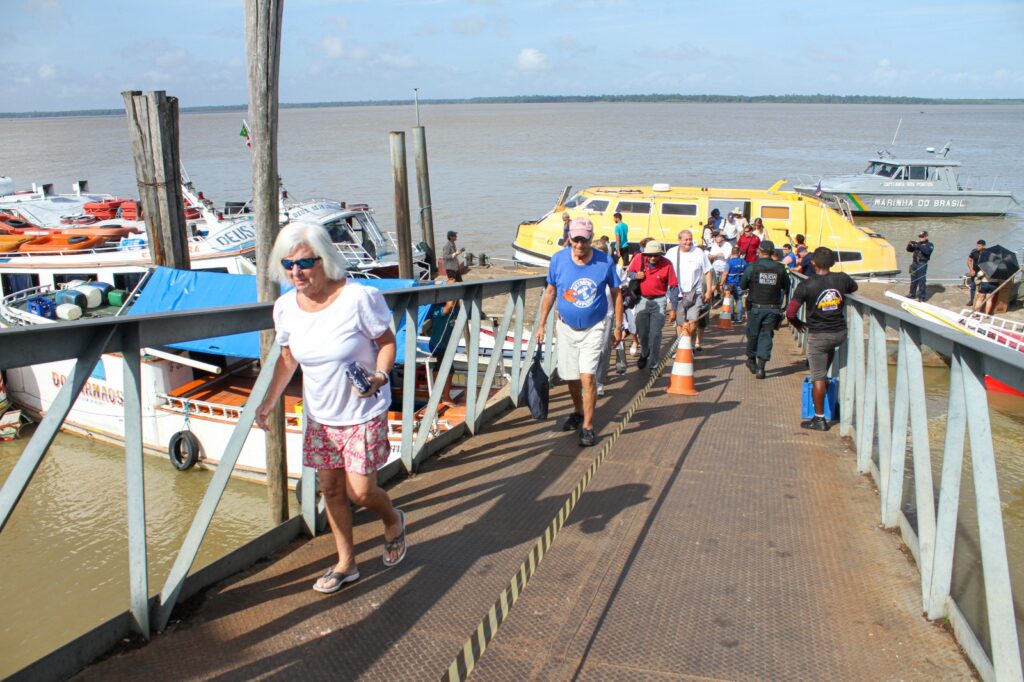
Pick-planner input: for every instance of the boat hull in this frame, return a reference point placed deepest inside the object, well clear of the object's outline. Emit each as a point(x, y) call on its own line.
point(920, 203)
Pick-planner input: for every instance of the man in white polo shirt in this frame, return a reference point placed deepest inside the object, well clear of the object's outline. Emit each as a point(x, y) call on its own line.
point(693, 271)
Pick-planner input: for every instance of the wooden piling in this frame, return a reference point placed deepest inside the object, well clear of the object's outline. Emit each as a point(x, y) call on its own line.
point(263, 50)
point(153, 126)
point(419, 145)
point(401, 179)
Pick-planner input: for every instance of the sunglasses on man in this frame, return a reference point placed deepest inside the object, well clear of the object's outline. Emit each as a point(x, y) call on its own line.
point(303, 263)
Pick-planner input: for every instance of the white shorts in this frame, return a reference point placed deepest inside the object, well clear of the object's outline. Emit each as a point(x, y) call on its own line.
point(579, 352)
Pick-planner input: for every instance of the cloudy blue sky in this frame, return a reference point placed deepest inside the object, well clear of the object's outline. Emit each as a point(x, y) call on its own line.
point(80, 54)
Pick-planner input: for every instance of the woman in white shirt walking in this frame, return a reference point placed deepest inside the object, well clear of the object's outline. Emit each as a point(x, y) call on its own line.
point(325, 323)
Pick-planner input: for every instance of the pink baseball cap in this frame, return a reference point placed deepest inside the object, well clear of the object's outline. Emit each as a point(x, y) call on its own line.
point(581, 227)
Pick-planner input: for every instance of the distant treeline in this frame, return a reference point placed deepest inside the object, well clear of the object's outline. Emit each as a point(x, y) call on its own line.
point(555, 99)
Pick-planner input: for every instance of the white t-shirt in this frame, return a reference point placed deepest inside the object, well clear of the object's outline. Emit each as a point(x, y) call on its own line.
point(732, 228)
point(720, 252)
point(690, 266)
point(323, 342)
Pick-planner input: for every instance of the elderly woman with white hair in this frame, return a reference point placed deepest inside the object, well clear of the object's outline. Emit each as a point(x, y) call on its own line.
point(325, 323)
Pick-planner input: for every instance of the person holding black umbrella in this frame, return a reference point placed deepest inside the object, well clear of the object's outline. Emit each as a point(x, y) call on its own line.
point(922, 253)
point(999, 265)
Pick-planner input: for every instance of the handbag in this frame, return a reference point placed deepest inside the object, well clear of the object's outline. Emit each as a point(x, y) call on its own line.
point(536, 388)
point(631, 294)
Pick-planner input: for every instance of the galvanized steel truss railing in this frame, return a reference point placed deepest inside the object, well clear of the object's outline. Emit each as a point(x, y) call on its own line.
point(87, 340)
point(878, 428)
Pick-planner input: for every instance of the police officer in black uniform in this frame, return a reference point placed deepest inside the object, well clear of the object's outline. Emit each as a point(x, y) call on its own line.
point(766, 281)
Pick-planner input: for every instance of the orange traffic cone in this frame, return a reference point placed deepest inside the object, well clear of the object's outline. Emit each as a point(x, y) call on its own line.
point(725, 314)
point(681, 382)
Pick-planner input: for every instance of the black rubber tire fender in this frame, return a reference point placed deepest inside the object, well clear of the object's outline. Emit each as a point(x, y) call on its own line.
point(183, 449)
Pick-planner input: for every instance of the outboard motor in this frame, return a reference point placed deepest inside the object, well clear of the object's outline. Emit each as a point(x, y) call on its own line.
point(428, 256)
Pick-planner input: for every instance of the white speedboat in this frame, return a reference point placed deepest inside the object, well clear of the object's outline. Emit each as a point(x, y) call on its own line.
point(908, 186)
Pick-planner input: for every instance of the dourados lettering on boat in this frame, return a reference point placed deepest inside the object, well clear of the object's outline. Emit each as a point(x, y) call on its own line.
point(93, 391)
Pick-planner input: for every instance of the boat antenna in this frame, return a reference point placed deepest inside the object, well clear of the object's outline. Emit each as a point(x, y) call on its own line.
point(893, 143)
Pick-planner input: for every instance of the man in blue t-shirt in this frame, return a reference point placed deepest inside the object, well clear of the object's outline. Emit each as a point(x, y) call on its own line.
point(622, 238)
point(735, 267)
point(581, 279)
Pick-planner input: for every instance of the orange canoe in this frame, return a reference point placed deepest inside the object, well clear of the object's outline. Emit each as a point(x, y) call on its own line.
point(61, 242)
point(11, 242)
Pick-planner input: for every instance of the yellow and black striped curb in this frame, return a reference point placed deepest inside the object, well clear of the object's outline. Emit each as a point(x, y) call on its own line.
point(464, 662)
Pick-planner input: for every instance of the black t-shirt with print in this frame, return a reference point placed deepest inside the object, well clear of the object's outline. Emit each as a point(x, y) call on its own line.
point(825, 297)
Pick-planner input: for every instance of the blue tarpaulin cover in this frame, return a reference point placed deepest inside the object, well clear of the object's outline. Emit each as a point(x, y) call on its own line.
point(169, 290)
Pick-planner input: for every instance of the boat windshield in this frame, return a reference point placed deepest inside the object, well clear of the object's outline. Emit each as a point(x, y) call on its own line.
point(373, 238)
point(576, 200)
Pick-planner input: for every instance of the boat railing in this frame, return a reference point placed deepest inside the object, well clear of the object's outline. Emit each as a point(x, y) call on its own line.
point(805, 180)
point(979, 183)
point(85, 341)
point(189, 407)
point(197, 244)
point(356, 255)
point(975, 595)
point(1009, 333)
point(15, 316)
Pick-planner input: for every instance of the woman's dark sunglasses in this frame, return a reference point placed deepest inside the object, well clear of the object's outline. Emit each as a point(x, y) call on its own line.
point(303, 263)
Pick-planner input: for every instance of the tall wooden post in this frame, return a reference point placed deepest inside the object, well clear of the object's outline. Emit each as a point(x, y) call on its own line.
point(153, 125)
point(263, 50)
point(401, 178)
point(419, 146)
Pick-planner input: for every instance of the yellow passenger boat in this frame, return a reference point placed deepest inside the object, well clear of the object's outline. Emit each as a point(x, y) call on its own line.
point(661, 211)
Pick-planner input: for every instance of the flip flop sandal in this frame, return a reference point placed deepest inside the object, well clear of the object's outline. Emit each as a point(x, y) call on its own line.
point(340, 580)
point(397, 543)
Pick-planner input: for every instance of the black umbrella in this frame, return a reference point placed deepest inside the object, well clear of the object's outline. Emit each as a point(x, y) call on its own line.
point(998, 263)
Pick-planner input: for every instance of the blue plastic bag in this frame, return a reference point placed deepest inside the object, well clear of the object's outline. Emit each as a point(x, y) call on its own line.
point(831, 399)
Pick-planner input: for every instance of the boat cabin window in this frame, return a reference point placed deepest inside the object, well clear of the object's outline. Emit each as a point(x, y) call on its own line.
point(127, 280)
point(64, 279)
point(919, 172)
point(900, 173)
point(872, 169)
point(885, 170)
point(597, 205)
point(775, 212)
point(633, 207)
point(12, 284)
point(679, 209)
point(576, 200)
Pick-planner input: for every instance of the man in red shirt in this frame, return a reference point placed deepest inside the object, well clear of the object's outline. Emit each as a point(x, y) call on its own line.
point(748, 244)
point(656, 276)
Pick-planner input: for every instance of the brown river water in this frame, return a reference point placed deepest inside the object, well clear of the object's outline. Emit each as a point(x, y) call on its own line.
point(63, 557)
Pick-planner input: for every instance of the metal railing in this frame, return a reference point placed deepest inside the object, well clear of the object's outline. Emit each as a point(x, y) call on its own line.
point(87, 340)
point(876, 420)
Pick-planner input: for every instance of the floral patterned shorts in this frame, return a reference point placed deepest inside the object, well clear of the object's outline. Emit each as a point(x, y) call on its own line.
point(359, 449)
